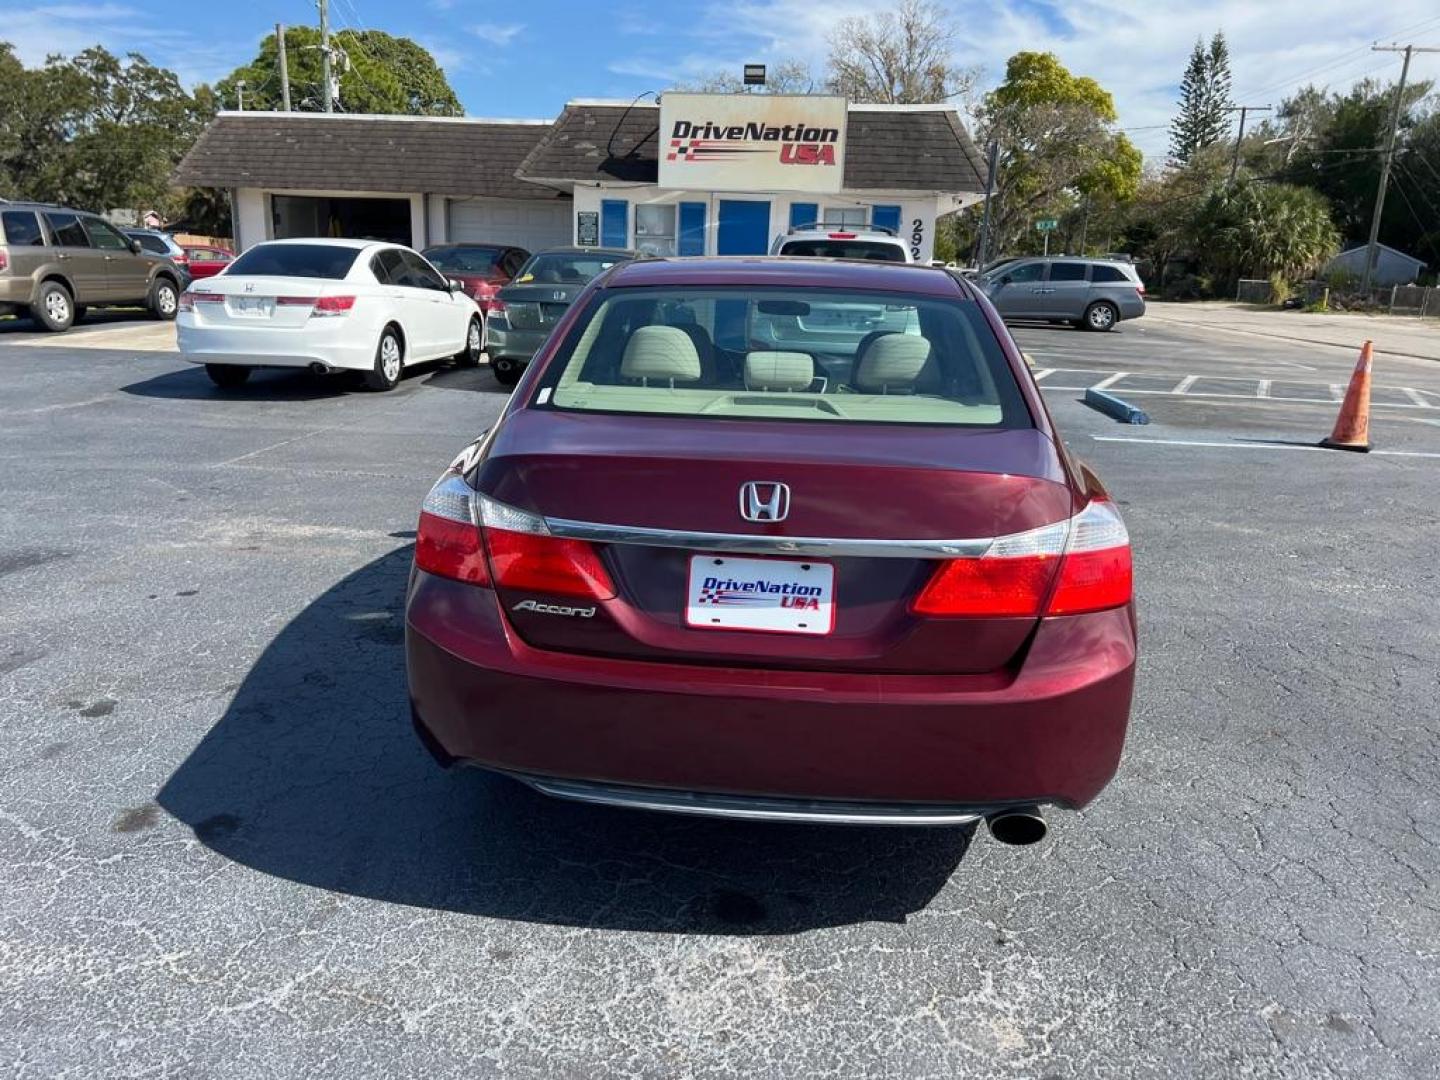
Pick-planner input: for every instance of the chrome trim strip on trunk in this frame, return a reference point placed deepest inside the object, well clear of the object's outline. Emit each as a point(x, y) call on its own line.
point(821, 547)
point(756, 808)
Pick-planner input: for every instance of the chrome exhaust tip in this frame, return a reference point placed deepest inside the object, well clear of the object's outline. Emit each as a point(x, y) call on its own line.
point(317, 368)
point(1019, 826)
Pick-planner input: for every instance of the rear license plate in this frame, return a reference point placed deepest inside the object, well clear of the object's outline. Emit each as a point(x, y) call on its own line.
point(782, 596)
point(258, 306)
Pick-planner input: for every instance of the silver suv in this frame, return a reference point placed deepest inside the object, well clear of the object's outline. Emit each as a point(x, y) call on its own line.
point(871, 243)
point(56, 262)
point(1093, 294)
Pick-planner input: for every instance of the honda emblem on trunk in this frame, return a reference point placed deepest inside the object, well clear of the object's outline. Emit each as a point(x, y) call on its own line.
point(764, 500)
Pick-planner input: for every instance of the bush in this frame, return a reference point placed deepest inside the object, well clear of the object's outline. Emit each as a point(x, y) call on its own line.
point(1279, 289)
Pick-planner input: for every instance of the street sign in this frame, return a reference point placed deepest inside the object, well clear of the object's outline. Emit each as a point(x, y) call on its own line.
point(1046, 224)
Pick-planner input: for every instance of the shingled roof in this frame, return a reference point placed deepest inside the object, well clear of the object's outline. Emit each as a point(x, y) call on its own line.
point(330, 152)
point(888, 148)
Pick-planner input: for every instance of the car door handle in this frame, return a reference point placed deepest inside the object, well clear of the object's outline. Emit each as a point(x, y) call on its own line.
point(61, 255)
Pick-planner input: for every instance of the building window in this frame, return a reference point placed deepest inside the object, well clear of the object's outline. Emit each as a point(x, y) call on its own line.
point(655, 229)
point(853, 217)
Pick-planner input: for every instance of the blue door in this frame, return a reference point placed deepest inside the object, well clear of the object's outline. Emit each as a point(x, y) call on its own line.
point(744, 228)
point(886, 217)
point(692, 229)
point(614, 223)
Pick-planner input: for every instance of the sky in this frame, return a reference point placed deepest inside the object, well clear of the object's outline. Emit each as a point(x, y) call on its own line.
point(527, 59)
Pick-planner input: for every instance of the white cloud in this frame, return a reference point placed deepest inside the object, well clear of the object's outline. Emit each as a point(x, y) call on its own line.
point(1136, 49)
point(66, 29)
point(500, 34)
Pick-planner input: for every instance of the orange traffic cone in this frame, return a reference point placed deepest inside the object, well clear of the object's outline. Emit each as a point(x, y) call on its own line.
point(1352, 426)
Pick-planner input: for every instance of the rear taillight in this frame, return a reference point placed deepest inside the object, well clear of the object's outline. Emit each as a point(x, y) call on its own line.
point(1091, 552)
point(447, 540)
point(482, 290)
point(330, 306)
point(189, 299)
point(496, 311)
point(4, 262)
point(842, 236)
point(522, 554)
point(294, 301)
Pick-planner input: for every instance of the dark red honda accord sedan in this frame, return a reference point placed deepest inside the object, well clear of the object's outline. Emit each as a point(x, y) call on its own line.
point(778, 538)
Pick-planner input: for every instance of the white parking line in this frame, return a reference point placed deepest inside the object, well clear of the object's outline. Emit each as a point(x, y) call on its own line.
point(1183, 386)
point(1414, 395)
point(1044, 373)
point(1262, 389)
point(1337, 392)
point(1110, 380)
point(1251, 446)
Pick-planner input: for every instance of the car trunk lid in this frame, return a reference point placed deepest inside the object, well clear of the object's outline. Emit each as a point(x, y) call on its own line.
point(272, 302)
point(875, 521)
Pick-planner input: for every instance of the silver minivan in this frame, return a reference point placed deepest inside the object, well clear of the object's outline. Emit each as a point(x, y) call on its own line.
point(1093, 294)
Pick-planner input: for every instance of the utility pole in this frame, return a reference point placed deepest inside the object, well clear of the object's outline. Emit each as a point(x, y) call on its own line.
point(1371, 248)
point(284, 67)
point(325, 54)
point(985, 218)
point(240, 95)
point(1242, 110)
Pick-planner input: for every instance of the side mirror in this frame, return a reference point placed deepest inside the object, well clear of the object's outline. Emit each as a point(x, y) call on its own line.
point(1006, 279)
point(135, 247)
point(455, 286)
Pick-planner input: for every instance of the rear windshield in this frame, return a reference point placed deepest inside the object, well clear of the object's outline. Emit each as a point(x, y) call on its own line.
point(464, 260)
point(564, 269)
point(294, 260)
point(824, 355)
point(845, 249)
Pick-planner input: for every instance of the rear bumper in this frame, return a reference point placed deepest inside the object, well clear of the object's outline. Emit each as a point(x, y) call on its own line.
point(16, 290)
point(259, 346)
point(1051, 731)
point(513, 344)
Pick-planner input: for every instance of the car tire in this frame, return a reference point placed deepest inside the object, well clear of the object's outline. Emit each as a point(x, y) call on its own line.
point(1101, 316)
point(226, 376)
point(54, 308)
point(389, 362)
point(164, 299)
point(507, 371)
point(469, 356)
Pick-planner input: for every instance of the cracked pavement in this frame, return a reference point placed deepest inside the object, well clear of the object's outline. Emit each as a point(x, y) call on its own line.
point(225, 855)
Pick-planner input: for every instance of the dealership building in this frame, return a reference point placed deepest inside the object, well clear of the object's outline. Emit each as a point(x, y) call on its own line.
point(697, 174)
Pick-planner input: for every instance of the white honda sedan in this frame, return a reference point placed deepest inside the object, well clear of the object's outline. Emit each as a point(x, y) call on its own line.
point(329, 305)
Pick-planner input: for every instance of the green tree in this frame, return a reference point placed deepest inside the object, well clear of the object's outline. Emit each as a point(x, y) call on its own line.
point(1205, 101)
point(384, 74)
point(1058, 146)
point(1259, 230)
point(95, 130)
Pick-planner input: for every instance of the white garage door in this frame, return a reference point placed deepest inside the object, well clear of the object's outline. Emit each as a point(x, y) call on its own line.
point(531, 225)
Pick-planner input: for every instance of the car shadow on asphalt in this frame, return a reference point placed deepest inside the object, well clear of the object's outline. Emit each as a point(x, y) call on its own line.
point(94, 318)
point(314, 775)
point(280, 384)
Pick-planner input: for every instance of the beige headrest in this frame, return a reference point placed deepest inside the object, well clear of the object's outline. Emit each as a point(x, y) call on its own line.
point(779, 371)
point(662, 353)
point(892, 362)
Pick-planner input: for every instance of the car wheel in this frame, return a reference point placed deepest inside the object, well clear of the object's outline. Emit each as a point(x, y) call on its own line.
point(389, 362)
point(227, 375)
point(54, 310)
point(1101, 316)
point(164, 299)
point(507, 371)
point(469, 356)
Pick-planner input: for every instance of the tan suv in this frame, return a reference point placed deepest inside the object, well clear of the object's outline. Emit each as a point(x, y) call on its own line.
point(54, 263)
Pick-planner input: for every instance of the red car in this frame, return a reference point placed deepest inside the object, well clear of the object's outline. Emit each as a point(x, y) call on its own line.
point(207, 261)
point(778, 538)
point(482, 269)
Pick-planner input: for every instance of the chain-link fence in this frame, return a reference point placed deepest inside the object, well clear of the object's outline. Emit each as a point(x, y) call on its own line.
point(1254, 291)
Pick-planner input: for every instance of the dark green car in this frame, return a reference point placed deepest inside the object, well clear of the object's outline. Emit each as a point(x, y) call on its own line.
point(536, 300)
point(56, 262)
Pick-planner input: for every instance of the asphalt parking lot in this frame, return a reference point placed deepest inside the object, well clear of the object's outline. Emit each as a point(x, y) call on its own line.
point(224, 853)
